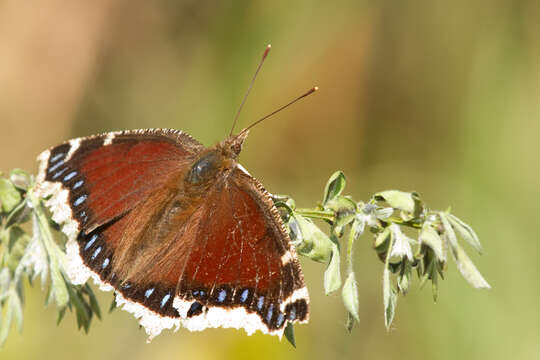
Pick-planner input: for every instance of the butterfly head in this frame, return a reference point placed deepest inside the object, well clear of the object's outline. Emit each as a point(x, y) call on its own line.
point(232, 146)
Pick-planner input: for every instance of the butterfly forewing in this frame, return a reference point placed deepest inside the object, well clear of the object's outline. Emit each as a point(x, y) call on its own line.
point(98, 178)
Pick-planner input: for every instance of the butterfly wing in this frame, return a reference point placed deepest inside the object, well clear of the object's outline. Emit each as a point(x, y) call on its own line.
point(95, 179)
point(242, 271)
point(93, 182)
point(225, 262)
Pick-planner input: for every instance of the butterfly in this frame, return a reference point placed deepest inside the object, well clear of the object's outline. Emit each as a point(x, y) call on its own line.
point(182, 233)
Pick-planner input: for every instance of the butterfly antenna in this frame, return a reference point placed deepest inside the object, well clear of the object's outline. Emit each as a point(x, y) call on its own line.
point(265, 54)
point(309, 92)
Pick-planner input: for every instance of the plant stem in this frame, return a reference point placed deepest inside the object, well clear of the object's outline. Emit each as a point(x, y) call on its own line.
point(317, 214)
point(399, 221)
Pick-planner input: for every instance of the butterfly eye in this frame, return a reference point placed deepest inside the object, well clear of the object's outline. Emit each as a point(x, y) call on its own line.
point(204, 169)
point(236, 148)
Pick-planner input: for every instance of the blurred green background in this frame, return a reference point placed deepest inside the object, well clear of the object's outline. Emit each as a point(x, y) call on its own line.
point(434, 96)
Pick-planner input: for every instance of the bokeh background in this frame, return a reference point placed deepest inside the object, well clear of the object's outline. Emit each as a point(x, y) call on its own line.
point(434, 96)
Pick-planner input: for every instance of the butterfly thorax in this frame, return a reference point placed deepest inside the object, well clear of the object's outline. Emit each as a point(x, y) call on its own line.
point(217, 160)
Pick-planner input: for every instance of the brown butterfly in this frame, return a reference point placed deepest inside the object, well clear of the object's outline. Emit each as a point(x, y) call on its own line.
point(183, 234)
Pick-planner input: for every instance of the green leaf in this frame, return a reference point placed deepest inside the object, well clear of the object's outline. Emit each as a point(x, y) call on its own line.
point(428, 269)
point(350, 322)
point(448, 229)
point(382, 243)
point(344, 209)
point(289, 334)
point(18, 242)
point(389, 299)
point(382, 239)
point(467, 268)
point(16, 307)
point(61, 314)
point(430, 237)
point(9, 196)
point(349, 294)
point(56, 257)
point(334, 186)
point(466, 232)
point(397, 199)
point(20, 178)
point(94, 305)
point(5, 325)
point(284, 208)
point(41, 260)
point(82, 311)
point(341, 203)
point(404, 278)
point(112, 307)
point(315, 244)
point(12, 311)
point(59, 288)
point(464, 263)
point(15, 235)
point(401, 245)
point(343, 219)
point(357, 229)
point(383, 213)
point(5, 281)
point(434, 285)
point(19, 215)
point(332, 276)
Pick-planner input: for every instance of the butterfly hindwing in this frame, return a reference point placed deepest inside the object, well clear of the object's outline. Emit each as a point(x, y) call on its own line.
point(242, 269)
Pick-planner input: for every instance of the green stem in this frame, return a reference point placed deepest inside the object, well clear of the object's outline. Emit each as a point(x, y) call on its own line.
point(409, 223)
point(317, 214)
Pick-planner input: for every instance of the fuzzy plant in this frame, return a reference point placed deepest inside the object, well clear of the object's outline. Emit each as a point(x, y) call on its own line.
point(32, 248)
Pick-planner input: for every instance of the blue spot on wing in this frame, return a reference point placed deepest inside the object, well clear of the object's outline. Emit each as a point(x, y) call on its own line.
point(78, 184)
point(70, 176)
point(260, 302)
point(244, 295)
point(91, 242)
point(222, 295)
point(80, 200)
point(269, 313)
point(58, 173)
point(96, 253)
point(55, 166)
point(199, 293)
point(165, 299)
point(148, 292)
point(57, 157)
point(292, 314)
point(105, 263)
point(279, 320)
